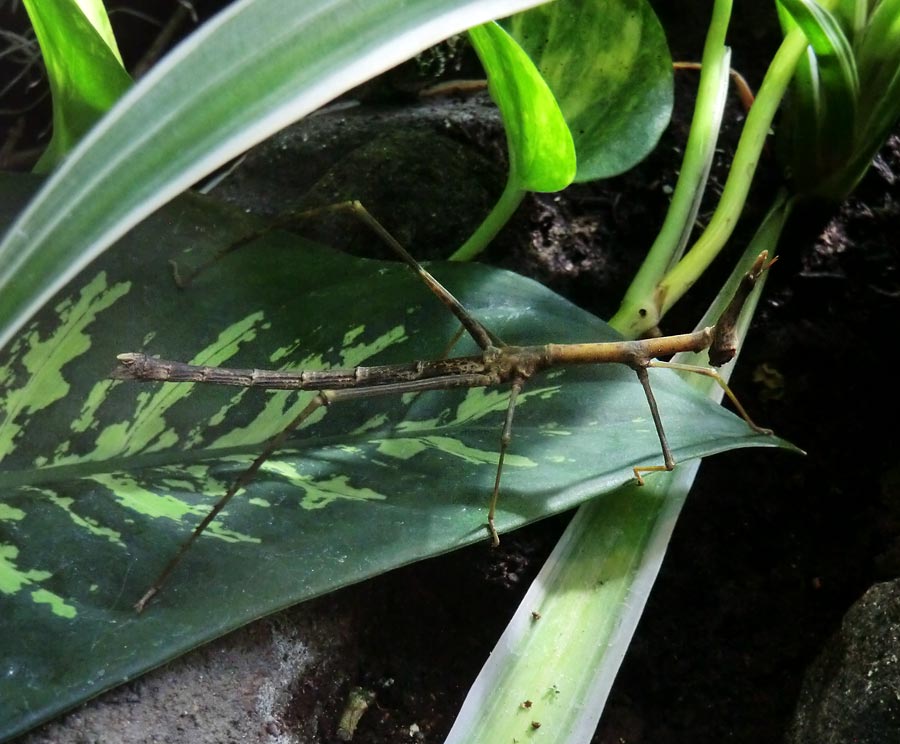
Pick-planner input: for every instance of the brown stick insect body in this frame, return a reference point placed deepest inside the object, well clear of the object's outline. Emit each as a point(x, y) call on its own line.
point(497, 364)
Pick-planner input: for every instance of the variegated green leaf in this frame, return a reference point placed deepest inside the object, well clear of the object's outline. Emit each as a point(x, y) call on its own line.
point(100, 480)
point(608, 64)
point(541, 151)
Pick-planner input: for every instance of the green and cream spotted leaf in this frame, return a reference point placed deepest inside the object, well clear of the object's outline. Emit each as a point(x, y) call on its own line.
point(100, 480)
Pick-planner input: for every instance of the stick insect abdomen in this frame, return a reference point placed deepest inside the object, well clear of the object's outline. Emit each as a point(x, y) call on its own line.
point(142, 367)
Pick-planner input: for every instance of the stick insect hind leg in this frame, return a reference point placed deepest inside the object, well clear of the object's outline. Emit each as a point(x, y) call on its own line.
point(354, 208)
point(322, 398)
point(488, 342)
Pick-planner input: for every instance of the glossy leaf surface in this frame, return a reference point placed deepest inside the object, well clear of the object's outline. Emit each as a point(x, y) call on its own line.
point(608, 65)
point(101, 480)
point(541, 151)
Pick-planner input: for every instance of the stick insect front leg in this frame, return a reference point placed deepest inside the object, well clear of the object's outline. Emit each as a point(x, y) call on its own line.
point(668, 459)
point(644, 377)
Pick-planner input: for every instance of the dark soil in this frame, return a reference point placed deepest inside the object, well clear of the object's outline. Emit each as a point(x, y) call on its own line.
point(771, 548)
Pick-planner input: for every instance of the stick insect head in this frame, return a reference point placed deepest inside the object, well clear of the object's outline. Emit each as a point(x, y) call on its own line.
point(725, 341)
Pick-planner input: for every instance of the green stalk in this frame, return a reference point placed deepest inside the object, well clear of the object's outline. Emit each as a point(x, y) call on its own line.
point(550, 674)
point(501, 213)
point(740, 176)
point(669, 245)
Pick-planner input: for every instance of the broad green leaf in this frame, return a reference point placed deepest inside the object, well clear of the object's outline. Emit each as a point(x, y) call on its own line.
point(253, 69)
point(83, 65)
point(101, 480)
point(608, 64)
point(541, 151)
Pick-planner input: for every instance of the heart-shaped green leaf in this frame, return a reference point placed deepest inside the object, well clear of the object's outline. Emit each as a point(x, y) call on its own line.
point(609, 68)
point(576, 79)
point(541, 151)
point(101, 480)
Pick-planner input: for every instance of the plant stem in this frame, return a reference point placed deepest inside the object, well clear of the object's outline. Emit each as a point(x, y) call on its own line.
point(669, 245)
point(507, 203)
point(740, 176)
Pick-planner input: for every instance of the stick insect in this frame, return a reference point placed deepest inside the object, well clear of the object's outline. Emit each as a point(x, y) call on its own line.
point(498, 363)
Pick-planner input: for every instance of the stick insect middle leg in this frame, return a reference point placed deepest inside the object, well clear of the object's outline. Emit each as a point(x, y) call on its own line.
point(481, 335)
